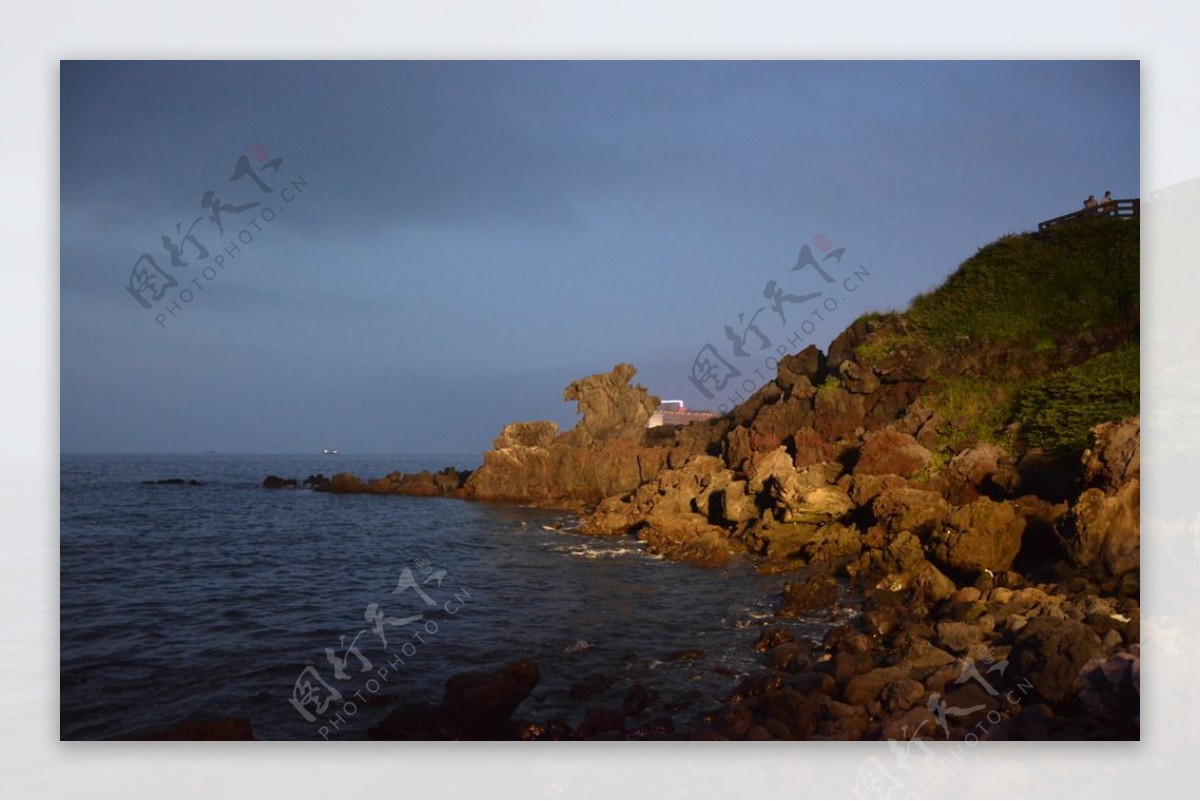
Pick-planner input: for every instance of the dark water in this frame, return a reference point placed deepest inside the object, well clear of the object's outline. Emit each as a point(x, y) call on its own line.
point(200, 602)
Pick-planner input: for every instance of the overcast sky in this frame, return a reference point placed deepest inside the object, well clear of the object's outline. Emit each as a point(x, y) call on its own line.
point(445, 245)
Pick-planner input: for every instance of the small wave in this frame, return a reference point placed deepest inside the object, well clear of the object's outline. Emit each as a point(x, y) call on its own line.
point(594, 551)
point(578, 646)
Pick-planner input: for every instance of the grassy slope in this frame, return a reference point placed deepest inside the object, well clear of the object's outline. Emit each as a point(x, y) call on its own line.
point(1041, 334)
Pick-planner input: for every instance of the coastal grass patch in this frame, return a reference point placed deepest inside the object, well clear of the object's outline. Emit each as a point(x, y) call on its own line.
point(1057, 411)
point(973, 410)
point(1023, 291)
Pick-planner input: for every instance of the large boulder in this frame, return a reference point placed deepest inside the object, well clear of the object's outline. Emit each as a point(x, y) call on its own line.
point(687, 538)
point(904, 509)
point(986, 470)
point(838, 413)
point(1104, 532)
point(983, 535)
point(888, 451)
point(476, 706)
point(1051, 653)
point(1114, 458)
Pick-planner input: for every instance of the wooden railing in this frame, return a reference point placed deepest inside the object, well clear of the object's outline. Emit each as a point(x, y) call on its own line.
point(1126, 207)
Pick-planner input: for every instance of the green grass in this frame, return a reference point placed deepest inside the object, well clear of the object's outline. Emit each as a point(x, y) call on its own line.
point(974, 409)
point(1056, 412)
point(1021, 291)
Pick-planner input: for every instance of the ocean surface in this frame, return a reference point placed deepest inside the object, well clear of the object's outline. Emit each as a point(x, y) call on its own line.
point(182, 603)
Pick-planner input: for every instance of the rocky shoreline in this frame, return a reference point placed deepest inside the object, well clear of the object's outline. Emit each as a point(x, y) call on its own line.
point(997, 555)
point(951, 639)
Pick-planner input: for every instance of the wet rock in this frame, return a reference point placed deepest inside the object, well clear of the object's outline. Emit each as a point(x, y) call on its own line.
point(599, 721)
point(790, 657)
point(483, 701)
point(818, 593)
point(655, 728)
point(317, 482)
point(773, 636)
point(1051, 653)
point(687, 538)
point(275, 482)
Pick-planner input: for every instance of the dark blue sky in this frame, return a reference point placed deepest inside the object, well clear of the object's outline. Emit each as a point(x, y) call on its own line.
point(466, 238)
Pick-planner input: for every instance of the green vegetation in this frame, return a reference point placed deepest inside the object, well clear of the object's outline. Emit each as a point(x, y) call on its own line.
point(829, 386)
point(880, 347)
point(1057, 411)
point(974, 410)
point(1021, 291)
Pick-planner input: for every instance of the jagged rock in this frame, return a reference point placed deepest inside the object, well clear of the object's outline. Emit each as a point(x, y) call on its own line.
point(903, 509)
point(1050, 654)
point(887, 451)
point(798, 368)
point(858, 377)
point(983, 535)
point(986, 470)
point(777, 422)
point(925, 584)
point(888, 554)
point(609, 406)
point(1104, 532)
point(1114, 459)
point(764, 466)
point(345, 482)
point(864, 489)
point(818, 593)
point(735, 504)
point(687, 538)
point(832, 544)
point(809, 448)
point(539, 434)
point(838, 413)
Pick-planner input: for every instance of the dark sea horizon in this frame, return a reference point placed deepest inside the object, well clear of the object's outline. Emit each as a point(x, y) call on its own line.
point(189, 602)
